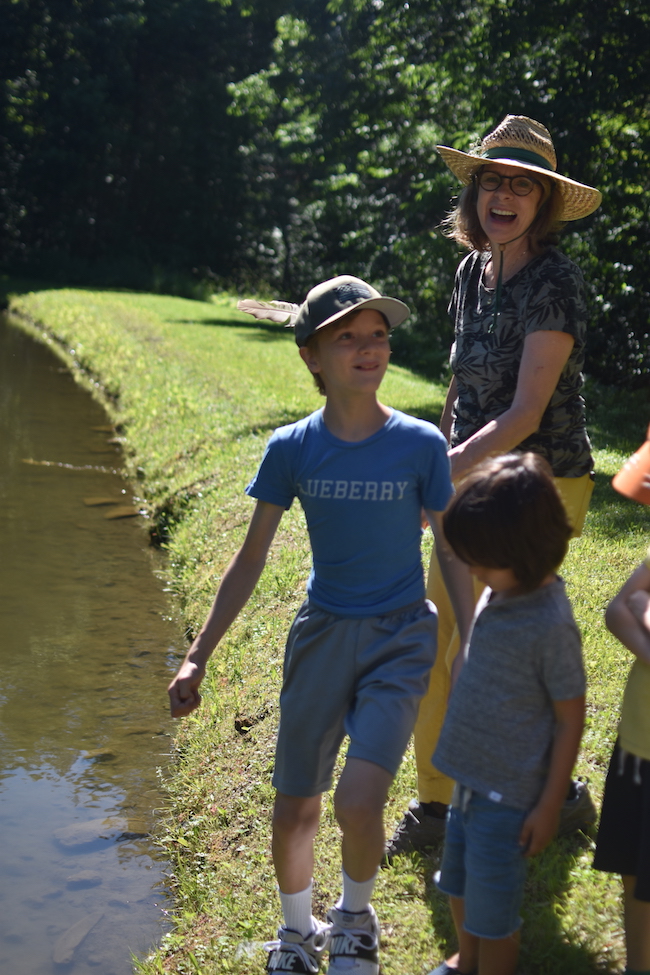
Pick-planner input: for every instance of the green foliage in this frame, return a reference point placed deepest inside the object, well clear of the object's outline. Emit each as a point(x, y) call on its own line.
point(588, 81)
point(181, 145)
point(117, 156)
point(382, 82)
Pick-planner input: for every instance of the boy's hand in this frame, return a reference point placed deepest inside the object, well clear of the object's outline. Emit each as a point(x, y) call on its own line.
point(237, 583)
point(540, 826)
point(183, 691)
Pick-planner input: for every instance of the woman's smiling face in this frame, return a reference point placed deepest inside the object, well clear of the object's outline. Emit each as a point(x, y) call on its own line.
point(503, 215)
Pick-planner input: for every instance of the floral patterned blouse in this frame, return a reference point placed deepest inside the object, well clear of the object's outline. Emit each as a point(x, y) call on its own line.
point(547, 294)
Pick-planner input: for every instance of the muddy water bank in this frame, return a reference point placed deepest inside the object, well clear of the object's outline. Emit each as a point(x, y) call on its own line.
point(86, 649)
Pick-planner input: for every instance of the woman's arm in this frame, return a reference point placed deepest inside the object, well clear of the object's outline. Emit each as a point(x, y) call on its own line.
point(446, 417)
point(544, 357)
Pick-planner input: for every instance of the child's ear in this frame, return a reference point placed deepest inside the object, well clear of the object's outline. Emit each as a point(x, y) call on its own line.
point(310, 357)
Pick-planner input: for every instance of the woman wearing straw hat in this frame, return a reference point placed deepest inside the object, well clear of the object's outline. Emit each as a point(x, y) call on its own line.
point(519, 314)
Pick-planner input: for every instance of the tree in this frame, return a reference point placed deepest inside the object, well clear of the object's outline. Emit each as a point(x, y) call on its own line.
point(358, 95)
point(273, 146)
point(115, 142)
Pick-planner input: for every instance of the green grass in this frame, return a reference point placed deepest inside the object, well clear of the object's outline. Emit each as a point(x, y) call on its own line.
point(195, 390)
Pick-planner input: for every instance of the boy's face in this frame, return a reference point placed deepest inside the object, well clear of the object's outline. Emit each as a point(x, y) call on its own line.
point(352, 356)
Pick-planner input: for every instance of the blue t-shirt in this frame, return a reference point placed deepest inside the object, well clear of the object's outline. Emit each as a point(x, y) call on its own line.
point(363, 503)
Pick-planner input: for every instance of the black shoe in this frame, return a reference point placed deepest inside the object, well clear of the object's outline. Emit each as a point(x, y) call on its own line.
point(422, 825)
point(578, 810)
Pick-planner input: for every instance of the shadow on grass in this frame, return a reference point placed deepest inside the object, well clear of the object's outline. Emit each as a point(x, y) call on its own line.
point(619, 424)
point(259, 331)
point(617, 419)
point(272, 422)
point(614, 516)
point(546, 948)
point(10, 286)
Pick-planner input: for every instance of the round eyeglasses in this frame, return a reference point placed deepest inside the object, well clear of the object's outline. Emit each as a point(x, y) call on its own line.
point(520, 185)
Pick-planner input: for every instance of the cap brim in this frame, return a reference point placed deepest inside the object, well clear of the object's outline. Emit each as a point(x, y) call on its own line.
point(578, 199)
point(394, 310)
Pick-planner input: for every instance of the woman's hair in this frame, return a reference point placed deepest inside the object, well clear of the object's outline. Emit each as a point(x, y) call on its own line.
point(508, 514)
point(312, 343)
point(462, 223)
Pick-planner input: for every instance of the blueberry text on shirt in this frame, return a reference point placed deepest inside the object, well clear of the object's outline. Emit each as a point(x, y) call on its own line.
point(353, 490)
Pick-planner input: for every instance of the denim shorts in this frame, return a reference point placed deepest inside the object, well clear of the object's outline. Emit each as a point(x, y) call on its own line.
point(483, 863)
point(358, 677)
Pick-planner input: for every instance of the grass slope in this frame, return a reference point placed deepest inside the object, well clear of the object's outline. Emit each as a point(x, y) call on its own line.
point(195, 391)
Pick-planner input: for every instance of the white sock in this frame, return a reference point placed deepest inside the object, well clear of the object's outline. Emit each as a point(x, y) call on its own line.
point(356, 896)
point(296, 911)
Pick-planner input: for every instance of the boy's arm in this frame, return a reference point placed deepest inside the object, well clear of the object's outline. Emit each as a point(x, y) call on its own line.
point(542, 822)
point(456, 577)
point(628, 617)
point(237, 584)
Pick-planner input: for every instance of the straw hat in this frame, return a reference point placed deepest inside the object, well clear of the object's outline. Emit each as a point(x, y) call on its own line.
point(633, 479)
point(522, 142)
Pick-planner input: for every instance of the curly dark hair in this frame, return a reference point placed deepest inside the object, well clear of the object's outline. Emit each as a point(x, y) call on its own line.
point(508, 514)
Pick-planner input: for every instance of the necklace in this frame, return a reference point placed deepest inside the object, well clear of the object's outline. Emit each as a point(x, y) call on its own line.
point(515, 266)
point(510, 266)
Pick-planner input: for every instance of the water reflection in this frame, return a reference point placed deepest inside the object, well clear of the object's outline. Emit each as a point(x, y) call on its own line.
point(85, 652)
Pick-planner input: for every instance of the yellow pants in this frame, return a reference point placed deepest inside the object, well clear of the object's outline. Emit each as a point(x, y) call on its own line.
point(433, 786)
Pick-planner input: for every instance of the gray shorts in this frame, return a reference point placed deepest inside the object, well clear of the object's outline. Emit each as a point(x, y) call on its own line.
point(360, 677)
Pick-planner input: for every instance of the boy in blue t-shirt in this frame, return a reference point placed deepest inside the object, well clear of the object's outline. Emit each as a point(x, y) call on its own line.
point(361, 647)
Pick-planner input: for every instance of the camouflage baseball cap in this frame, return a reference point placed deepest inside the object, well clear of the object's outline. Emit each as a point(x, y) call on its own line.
point(333, 299)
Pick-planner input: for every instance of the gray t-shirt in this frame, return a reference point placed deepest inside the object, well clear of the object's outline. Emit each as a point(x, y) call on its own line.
point(524, 654)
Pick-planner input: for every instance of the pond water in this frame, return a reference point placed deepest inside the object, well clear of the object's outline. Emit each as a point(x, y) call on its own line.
point(86, 650)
